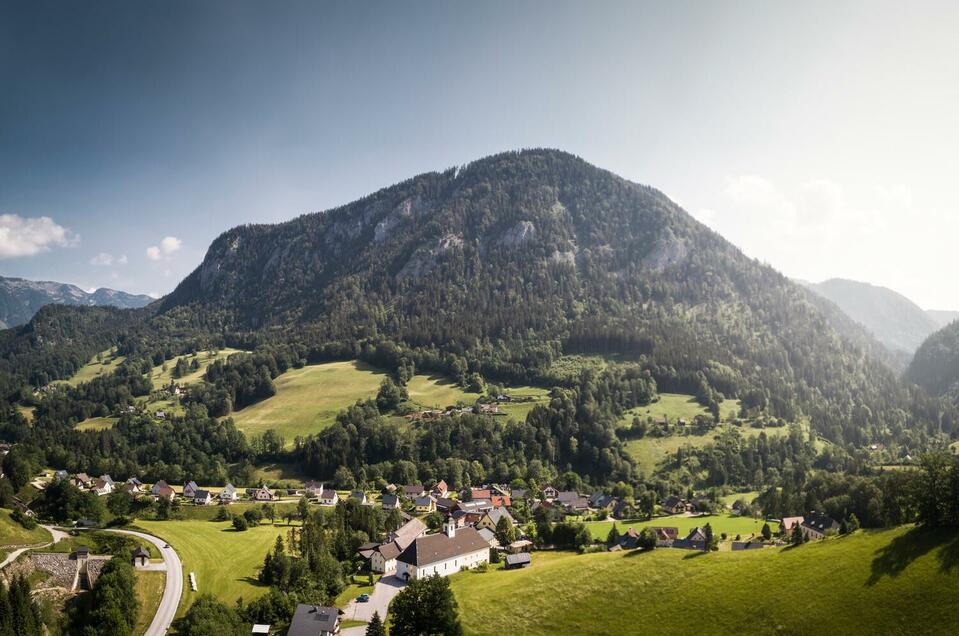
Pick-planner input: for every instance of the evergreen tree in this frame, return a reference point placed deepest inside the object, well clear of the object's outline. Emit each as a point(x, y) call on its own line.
point(425, 606)
point(375, 626)
point(767, 532)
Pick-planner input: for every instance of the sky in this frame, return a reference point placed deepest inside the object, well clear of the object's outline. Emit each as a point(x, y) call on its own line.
point(819, 137)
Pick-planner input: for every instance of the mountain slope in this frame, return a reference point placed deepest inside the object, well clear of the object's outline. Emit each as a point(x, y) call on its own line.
point(20, 299)
point(935, 367)
point(896, 321)
point(943, 317)
point(519, 257)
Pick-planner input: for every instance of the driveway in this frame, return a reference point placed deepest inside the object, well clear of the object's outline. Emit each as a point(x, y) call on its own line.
point(383, 592)
point(174, 584)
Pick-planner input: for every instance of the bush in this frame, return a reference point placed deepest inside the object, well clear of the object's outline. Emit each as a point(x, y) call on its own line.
point(240, 524)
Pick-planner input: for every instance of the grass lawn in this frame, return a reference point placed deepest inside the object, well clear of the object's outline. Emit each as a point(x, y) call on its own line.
point(729, 500)
point(901, 581)
point(161, 377)
point(226, 562)
point(308, 399)
point(650, 451)
point(436, 391)
point(730, 524)
point(107, 364)
point(676, 406)
point(96, 423)
point(13, 534)
point(353, 590)
point(149, 589)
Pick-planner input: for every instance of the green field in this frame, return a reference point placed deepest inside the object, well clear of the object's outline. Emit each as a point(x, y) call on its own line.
point(226, 562)
point(730, 524)
point(149, 589)
point(676, 406)
point(649, 451)
point(13, 534)
point(26, 411)
point(96, 423)
point(890, 582)
point(107, 364)
point(161, 377)
point(308, 399)
point(437, 392)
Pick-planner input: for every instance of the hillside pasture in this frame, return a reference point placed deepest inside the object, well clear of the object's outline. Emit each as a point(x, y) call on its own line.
point(106, 364)
point(902, 581)
point(96, 423)
point(676, 406)
point(162, 374)
point(12, 534)
point(730, 524)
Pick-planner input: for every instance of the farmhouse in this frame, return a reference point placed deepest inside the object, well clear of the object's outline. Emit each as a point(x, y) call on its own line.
point(314, 620)
point(788, 523)
point(665, 535)
point(82, 480)
point(327, 497)
point(313, 488)
point(442, 554)
point(549, 492)
point(162, 490)
point(360, 496)
point(103, 485)
point(817, 525)
point(425, 504)
point(673, 505)
point(263, 493)
point(189, 490)
point(389, 502)
point(440, 489)
point(572, 501)
point(228, 494)
point(695, 540)
point(414, 490)
point(491, 517)
point(202, 497)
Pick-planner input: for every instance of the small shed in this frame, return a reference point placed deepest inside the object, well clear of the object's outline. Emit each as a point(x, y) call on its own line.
point(82, 552)
point(520, 545)
point(517, 561)
point(261, 629)
point(141, 556)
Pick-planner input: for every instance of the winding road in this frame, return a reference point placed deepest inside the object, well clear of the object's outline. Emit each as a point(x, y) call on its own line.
point(174, 583)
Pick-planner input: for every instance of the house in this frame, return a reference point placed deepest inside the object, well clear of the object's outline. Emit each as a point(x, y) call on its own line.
point(162, 490)
point(442, 554)
point(673, 505)
point(446, 505)
point(60, 475)
point(440, 489)
point(103, 485)
point(389, 502)
point(491, 517)
point(228, 494)
point(695, 540)
point(622, 509)
point(517, 561)
point(412, 491)
point(314, 620)
point(738, 507)
point(573, 502)
point(425, 504)
point(817, 525)
point(787, 524)
point(263, 493)
point(601, 501)
point(408, 531)
point(520, 545)
point(489, 536)
point(131, 489)
point(519, 493)
point(665, 535)
point(134, 481)
point(360, 496)
point(328, 497)
point(629, 540)
point(189, 490)
point(313, 488)
point(83, 552)
point(383, 557)
point(202, 497)
point(500, 500)
point(549, 493)
point(86, 523)
point(82, 480)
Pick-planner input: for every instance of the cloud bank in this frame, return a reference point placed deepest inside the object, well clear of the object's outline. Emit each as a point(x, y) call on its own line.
point(27, 236)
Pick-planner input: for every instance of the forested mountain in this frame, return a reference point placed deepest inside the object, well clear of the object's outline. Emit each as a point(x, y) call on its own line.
point(517, 258)
point(893, 319)
point(20, 299)
point(943, 317)
point(935, 367)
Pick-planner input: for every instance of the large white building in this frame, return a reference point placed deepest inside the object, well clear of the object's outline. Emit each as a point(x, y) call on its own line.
point(443, 553)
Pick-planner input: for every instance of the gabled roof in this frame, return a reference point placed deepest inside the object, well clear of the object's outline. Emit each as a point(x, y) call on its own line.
point(819, 522)
point(311, 620)
point(203, 494)
point(358, 494)
point(409, 531)
point(499, 513)
point(425, 500)
point(672, 501)
point(414, 489)
point(191, 485)
point(389, 500)
point(487, 534)
point(439, 547)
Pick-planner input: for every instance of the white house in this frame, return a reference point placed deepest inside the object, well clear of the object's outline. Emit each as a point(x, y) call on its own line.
point(202, 497)
point(228, 494)
point(327, 497)
point(263, 493)
point(443, 553)
point(189, 490)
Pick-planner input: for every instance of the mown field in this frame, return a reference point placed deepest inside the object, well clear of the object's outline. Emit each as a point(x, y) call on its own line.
point(107, 364)
point(162, 374)
point(730, 524)
point(676, 406)
point(226, 562)
point(149, 590)
point(649, 451)
point(903, 581)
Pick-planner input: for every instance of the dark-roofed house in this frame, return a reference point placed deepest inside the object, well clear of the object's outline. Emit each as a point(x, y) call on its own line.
point(360, 496)
point(573, 502)
point(425, 504)
point(314, 620)
point(327, 497)
point(202, 497)
point(601, 500)
point(189, 490)
point(414, 490)
point(673, 505)
point(517, 561)
point(408, 531)
point(141, 557)
point(695, 540)
point(445, 505)
point(383, 559)
point(443, 553)
point(491, 517)
point(816, 525)
point(629, 540)
point(389, 502)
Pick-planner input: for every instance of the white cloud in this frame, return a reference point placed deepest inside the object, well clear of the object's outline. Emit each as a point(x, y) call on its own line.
point(103, 259)
point(168, 246)
point(26, 236)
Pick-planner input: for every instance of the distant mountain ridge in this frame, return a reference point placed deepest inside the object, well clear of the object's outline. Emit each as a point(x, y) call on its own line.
point(20, 298)
point(943, 317)
point(897, 322)
point(935, 366)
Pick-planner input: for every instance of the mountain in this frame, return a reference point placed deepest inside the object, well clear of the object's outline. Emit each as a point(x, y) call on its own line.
point(20, 299)
point(521, 257)
point(935, 367)
point(893, 319)
point(943, 317)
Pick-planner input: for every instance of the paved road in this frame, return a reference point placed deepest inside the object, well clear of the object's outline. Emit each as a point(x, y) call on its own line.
point(56, 534)
point(383, 592)
point(174, 584)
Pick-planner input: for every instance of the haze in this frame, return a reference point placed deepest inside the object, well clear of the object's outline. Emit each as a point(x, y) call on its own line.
point(818, 138)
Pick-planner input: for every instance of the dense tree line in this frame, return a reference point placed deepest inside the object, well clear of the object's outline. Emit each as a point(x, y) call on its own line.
point(111, 609)
point(19, 614)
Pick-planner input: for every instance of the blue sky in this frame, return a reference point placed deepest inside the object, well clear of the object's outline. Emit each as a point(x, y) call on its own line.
point(818, 138)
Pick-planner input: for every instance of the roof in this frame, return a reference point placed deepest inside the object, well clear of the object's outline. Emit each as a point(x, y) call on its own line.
point(414, 489)
point(390, 550)
point(672, 501)
point(390, 500)
point(409, 531)
point(487, 534)
point(439, 547)
point(311, 620)
point(358, 494)
point(141, 552)
point(789, 522)
point(261, 629)
point(518, 559)
point(203, 494)
point(819, 522)
point(425, 500)
point(327, 493)
point(499, 513)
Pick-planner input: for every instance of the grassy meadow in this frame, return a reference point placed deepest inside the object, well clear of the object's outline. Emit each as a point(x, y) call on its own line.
point(96, 423)
point(149, 591)
point(730, 524)
point(901, 581)
point(226, 562)
point(106, 365)
point(13, 534)
point(162, 377)
point(676, 406)
point(437, 392)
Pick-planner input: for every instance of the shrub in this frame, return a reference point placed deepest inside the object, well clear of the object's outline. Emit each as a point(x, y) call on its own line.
point(240, 524)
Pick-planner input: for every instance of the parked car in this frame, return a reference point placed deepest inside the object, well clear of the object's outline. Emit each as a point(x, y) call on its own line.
point(363, 598)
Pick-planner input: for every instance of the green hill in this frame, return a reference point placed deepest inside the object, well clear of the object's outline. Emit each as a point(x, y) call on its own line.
point(935, 367)
point(891, 582)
